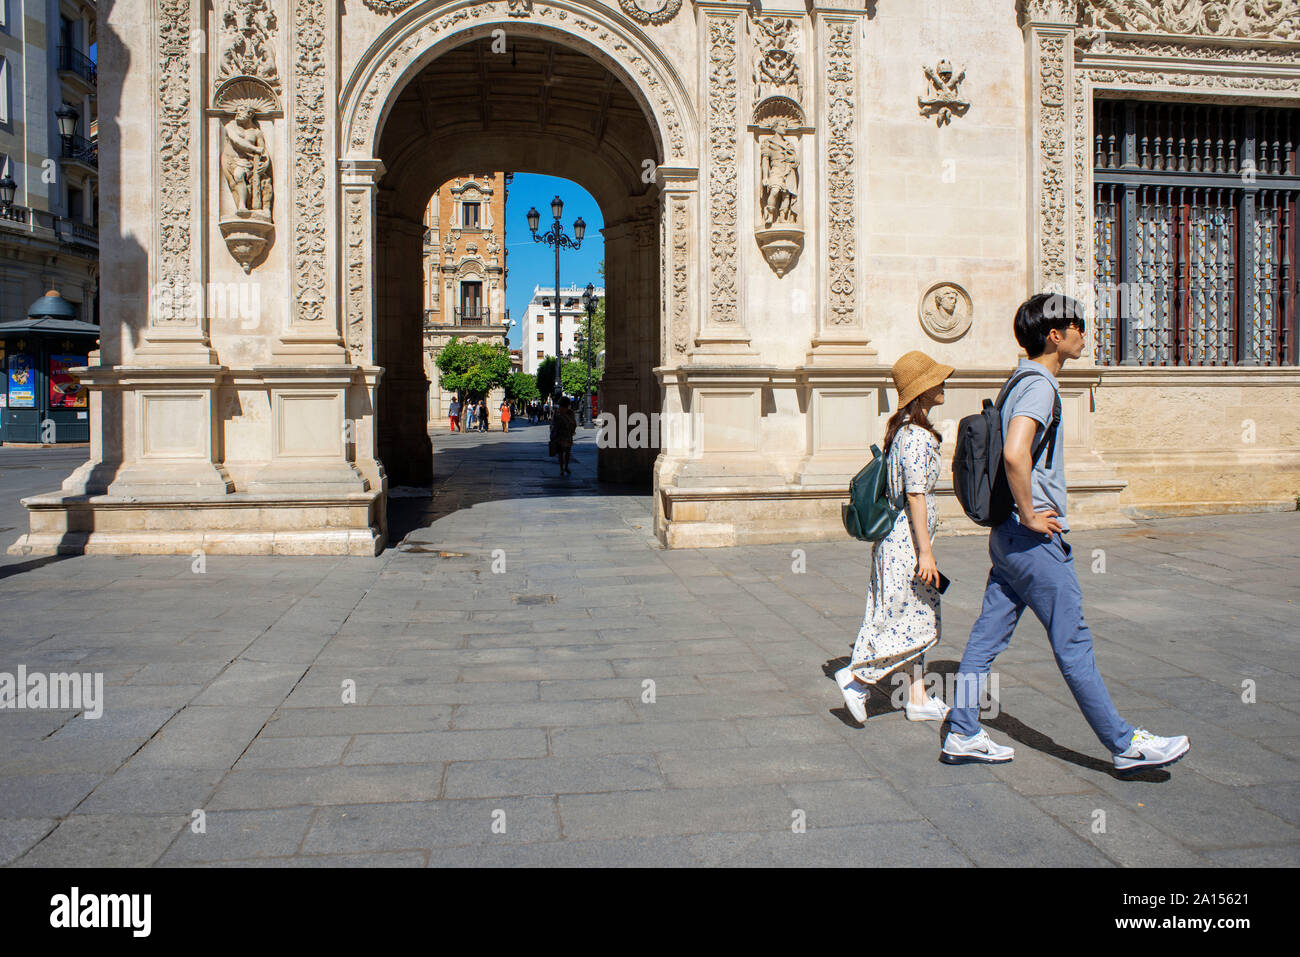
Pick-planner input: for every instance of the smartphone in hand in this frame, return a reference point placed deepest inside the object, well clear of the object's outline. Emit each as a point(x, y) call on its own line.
point(943, 583)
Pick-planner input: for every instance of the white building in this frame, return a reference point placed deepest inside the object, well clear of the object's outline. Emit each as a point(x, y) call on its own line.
point(538, 334)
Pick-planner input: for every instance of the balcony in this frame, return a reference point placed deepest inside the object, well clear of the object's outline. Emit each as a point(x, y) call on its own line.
point(473, 316)
point(431, 237)
point(14, 214)
point(79, 234)
point(80, 150)
point(74, 61)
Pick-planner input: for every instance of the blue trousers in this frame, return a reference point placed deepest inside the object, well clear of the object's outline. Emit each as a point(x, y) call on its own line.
point(1038, 571)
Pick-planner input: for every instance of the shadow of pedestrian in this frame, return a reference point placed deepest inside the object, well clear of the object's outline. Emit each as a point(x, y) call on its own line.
point(879, 703)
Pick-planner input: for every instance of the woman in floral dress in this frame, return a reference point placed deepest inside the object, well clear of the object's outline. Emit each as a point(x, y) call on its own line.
point(902, 620)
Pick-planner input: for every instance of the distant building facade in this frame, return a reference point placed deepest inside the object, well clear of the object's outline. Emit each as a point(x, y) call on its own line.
point(538, 334)
point(49, 182)
point(464, 271)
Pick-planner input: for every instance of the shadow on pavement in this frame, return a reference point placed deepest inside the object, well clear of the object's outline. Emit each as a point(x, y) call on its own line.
point(471, 468)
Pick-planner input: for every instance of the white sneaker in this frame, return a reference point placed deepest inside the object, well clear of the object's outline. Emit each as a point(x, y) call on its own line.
point(978, 749)
point(855, 694)
point(933, 710)
point(1151, 751)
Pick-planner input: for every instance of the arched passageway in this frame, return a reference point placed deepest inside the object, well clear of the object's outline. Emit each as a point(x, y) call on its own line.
point(537, 106)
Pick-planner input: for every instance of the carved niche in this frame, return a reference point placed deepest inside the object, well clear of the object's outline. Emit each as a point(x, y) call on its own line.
point(247, 83)
point(778, 124)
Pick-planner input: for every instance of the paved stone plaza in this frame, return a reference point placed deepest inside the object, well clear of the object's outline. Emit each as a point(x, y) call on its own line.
point(522, 692)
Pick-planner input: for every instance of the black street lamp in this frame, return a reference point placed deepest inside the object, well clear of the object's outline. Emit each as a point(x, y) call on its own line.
point(8, 189)
point(556, 237)
point(588, 303)
point(68, 119)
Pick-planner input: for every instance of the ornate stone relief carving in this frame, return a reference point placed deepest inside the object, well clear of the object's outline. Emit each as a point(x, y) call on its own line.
point(414, 45)
point(722, 95)
point(841, 247)
point(1051, 187)
point(1278, 19)
point(651, 11)
point(681, 228)
point(945, 311)
point(942, 99)
point(356, 276)
point(520, 8)
point(778, 124)
point(1047, 11)
point(388, 6)
point(247, 48)
point(308, 124)
point(776, 64)
point(174, 197)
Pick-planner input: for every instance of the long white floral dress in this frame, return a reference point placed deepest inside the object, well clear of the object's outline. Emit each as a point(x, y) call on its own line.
point(902, 619)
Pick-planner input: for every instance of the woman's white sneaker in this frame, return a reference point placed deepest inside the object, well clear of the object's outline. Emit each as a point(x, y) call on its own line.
point(855, 694)
point(1148, 750)
point(978, 749)
point(933, 710)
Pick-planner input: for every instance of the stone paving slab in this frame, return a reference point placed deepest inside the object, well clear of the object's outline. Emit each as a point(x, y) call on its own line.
point(607, 702)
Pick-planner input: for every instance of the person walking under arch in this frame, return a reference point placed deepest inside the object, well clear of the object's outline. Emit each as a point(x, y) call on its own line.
point(563, 425)
point(453, 412)
point(1033, 566)
point(902, 620)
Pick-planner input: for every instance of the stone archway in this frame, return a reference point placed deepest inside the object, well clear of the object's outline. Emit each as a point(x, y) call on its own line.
point(540, 99)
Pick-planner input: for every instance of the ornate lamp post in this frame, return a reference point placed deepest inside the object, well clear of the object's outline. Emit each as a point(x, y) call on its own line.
point(557, 238)
point(588, 303)
point(8, 188)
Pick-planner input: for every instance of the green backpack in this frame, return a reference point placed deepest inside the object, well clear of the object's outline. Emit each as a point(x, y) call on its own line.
point(870, 515)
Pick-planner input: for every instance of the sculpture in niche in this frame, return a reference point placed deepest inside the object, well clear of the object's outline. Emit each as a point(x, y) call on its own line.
point(776, 69)
point(779, 123)
point(779, 175)
point(246, 164)
point(1216, 18)
point(651, 11)
point(247, 191)
point(945, 311)
point(942, 99)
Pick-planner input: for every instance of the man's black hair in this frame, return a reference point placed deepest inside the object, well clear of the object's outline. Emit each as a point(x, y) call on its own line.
point(1040, 314)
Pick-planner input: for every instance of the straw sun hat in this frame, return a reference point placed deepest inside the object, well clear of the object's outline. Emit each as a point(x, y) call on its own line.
point(916, 372)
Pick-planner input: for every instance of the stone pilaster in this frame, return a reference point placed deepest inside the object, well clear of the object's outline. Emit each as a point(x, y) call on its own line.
point(722, 330)
point(311, 334)
point(1049, 27)
point(840, 337)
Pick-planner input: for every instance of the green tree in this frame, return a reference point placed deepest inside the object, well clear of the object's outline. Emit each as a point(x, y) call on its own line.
point(472, 367)
point(522, 387)
point(546, 377)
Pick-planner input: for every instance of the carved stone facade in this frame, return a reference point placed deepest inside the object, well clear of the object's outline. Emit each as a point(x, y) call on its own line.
point(880, 224)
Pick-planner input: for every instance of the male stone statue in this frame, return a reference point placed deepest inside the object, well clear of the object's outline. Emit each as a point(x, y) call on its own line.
point(779, 175)
point(245, 164)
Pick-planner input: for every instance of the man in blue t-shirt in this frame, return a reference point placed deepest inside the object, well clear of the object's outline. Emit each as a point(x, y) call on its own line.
point(1032, 564)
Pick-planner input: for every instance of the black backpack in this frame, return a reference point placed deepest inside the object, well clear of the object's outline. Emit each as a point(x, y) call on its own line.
point(979, 478)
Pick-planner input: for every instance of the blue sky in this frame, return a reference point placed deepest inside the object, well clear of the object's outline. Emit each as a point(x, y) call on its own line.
point(532, 263)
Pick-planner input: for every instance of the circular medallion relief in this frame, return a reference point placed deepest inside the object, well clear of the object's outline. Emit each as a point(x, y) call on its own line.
point(945, 311)
point(651, 11)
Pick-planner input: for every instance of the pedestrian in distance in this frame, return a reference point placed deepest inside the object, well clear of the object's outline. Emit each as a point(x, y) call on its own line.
point(563, 425)
point(902, 619)
point(453, 412)
point(1032, 564)
point(505, 416)
point(482, 415)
